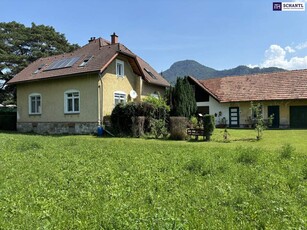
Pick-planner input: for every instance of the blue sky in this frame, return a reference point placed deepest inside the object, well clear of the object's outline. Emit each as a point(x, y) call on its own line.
point(220, 34)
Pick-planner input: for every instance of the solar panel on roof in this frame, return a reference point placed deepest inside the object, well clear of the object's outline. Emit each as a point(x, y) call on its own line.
point(63, 63)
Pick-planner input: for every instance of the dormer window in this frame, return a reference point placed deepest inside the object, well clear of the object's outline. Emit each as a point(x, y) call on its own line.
point(85, 61)
point(120, 68)
point(150, 73)
point(39, 68)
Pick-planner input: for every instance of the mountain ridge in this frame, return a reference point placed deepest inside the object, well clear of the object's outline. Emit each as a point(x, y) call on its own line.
point(202, 72)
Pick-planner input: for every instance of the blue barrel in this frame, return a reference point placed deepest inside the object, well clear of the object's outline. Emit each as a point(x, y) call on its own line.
point(99, 131)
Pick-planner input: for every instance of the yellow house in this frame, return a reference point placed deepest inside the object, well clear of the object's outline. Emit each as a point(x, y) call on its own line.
point(73, 92)
point(281, 94)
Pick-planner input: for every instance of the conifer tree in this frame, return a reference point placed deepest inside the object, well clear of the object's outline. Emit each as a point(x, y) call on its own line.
point(183, 98)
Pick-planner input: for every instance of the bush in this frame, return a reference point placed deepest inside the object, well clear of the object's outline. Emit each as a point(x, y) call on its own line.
point(194, 122)
point(159, 102)
point(178, 128)
point(158, 128)
point(121, 118)
point(124, 116)
point(286, 151)
point(138, 126)
point(209, 125)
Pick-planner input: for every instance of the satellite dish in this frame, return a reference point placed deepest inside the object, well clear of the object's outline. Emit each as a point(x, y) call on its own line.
point(133, 94)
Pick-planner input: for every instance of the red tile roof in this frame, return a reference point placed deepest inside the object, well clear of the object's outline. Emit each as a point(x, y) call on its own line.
point(285, 85)
point(102, 52)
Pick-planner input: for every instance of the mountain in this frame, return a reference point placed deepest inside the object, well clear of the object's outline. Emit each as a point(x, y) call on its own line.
point(199, 71)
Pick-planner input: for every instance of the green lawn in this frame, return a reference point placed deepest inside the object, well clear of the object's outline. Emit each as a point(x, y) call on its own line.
point(84, 182)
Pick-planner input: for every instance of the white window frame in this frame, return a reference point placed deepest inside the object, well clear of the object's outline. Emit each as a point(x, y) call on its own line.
point(120, 68)
point(73, 98)
point(118, 95)
point(38, 107)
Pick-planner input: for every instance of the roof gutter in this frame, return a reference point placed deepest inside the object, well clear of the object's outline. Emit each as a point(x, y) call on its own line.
point(51, 78)
point(108, 63)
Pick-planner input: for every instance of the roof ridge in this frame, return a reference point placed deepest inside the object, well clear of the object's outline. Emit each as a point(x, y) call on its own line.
point(255, 75)
point(273, 73)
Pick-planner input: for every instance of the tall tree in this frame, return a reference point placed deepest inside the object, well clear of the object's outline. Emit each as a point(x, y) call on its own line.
point(21, 45)
point(183, 98)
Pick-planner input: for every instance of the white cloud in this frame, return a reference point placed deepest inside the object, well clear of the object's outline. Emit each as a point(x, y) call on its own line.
point(252, 66)
point(289, 49)
point(301, 45)
point(277, 56)
point(300, 1)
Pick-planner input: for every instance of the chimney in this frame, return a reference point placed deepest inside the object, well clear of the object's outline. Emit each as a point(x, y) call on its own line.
point(92, 39)
point(114, 38)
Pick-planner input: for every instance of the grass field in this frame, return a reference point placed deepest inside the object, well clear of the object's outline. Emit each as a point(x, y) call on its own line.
point(84, 182)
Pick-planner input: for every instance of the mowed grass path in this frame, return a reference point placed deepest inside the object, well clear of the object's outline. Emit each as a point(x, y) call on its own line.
point(84, 182)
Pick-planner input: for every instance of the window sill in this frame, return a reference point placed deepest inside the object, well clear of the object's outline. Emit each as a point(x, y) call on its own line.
point(34, 114)
point(71, 113)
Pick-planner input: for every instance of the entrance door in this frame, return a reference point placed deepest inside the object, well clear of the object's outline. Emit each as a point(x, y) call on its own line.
point(274, 110)
point(298, 117)
point(234, 118)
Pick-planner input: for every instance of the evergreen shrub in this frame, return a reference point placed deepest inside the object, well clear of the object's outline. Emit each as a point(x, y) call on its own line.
point(178, 128)
point(209, 125)
point(124, 117)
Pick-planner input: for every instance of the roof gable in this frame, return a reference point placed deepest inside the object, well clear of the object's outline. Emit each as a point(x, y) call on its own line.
point(285, 85)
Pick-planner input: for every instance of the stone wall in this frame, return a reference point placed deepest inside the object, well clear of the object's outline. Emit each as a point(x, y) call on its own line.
point(57, 128)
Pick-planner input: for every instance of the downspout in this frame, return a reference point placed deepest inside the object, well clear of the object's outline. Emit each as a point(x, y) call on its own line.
point(140, 88)
point(100, 100)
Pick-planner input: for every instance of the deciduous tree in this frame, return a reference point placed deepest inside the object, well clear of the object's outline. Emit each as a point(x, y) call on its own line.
point(21, 45)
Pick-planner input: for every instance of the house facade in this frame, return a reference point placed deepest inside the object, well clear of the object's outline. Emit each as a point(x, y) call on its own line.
point(281, 94)
point(73, 92)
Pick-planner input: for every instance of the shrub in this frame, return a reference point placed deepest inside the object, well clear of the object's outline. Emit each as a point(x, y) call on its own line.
point(158, 128)
point(121, 118)
point(138, 126)
point(124, 116)
point(194, 122)
point(286, 151)
point(178, 128)
point(209, 125)
point(260, 124)
point(159, 102)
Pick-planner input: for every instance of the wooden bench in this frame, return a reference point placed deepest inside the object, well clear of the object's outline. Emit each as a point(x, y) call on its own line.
point(196, 132)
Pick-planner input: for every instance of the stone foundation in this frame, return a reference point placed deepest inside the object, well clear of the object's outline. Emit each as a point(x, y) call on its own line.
point(57, 128)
